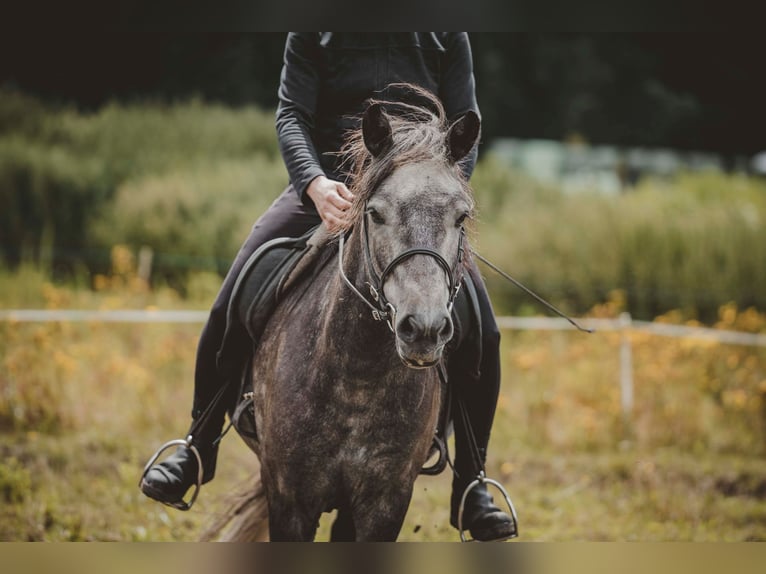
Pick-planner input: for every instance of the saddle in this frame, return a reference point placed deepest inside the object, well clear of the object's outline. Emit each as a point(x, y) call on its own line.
point(267, 273)
point(270, 272)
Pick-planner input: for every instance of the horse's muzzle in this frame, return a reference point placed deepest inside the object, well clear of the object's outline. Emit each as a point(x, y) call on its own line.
point(420, 339)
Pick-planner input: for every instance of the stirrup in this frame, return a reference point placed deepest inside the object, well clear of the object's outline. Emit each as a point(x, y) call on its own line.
point(482, 479)
point(441, 462)
point(181, 504)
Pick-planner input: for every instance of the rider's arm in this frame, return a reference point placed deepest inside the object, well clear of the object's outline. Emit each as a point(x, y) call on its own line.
point(457, 89)
point(298, 90)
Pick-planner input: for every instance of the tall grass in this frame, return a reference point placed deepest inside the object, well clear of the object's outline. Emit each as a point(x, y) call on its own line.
point(83, 406)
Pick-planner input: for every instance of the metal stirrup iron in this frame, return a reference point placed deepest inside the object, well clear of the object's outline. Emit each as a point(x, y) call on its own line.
point(181, 504)
point(482, 479)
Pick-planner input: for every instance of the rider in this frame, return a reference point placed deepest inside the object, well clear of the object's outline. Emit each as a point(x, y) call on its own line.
point(325, 82)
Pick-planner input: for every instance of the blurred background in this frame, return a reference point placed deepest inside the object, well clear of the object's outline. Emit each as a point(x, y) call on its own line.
point(618, 173)
point(106, 135)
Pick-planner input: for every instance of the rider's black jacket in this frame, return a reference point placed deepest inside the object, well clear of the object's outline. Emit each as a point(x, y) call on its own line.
point(327, 78)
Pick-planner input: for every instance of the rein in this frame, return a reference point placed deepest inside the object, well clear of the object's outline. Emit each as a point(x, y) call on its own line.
point(383, 310)
point(528, 291)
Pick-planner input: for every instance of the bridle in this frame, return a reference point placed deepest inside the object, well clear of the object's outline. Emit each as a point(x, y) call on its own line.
point(381, 307)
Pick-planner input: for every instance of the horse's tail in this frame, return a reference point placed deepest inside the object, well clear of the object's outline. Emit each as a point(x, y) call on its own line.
point(245, 520)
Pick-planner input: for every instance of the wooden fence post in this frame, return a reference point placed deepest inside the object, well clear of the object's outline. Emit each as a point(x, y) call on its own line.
point(626, 365)
point(145, 257)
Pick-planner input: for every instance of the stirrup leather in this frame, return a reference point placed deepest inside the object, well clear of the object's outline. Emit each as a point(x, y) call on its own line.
point(187, 442)
point(482, 479)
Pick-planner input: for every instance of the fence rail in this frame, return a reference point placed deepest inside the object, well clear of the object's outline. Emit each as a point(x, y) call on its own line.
point(104, 316)
point(623, 324)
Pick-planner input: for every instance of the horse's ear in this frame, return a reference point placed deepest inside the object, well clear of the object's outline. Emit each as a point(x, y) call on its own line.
point(376, 130)
point(462, 136)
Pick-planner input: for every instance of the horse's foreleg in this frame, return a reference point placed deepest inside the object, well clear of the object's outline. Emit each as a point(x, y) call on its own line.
point(287, 524)
point(343, 527)
point(380, 518)
point(292, 529)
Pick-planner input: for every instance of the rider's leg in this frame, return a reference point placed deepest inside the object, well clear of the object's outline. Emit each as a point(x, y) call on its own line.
point(476, 374)
point(168, 481)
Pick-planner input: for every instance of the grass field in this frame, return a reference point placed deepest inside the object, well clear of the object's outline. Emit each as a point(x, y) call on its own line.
point(83, 406)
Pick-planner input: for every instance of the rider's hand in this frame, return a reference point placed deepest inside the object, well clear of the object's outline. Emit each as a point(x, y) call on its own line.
point(332, 199)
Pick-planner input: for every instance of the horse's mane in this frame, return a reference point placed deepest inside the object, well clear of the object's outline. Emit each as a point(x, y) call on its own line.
point(419, 134)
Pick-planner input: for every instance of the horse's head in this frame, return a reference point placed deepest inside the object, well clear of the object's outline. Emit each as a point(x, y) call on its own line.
point(412, 201)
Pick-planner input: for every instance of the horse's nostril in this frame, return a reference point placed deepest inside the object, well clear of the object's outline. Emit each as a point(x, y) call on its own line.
point(409, 328)
point(414, 328)
point(445, 332)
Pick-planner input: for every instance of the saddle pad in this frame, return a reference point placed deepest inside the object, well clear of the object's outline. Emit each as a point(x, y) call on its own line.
point(256, 289)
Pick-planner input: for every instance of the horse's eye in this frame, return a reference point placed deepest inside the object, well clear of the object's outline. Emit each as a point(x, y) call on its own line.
point(461, 220)
point(375, 216)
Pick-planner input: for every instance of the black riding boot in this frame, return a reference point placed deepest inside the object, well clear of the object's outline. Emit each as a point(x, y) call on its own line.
point(481, 516)
point(168, 481)
point(288, 216)
point(474, 370)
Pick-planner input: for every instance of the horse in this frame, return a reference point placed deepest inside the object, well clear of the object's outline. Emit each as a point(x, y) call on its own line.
point(345, 386)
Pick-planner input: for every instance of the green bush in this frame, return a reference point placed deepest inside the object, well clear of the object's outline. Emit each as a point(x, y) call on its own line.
point(47, 195)
point(693, 243)
point(195, 218)
point(60, 169)
point(152, 138)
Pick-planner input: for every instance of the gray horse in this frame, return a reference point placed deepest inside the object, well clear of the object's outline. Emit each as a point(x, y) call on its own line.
point(346, 392)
